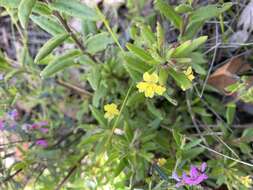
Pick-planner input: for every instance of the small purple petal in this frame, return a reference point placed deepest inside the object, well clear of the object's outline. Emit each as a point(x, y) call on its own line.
point(175, 176)
point(184, 175)
point(195, 181)
point(203, 167)
point(1, 77)
point(38, 125)
point(43, 143)
point(179, 184)
point(34, 126)
point(44, 130)
point(42, 123)
point(194, 172)
point(13, 114)
point(196, 176)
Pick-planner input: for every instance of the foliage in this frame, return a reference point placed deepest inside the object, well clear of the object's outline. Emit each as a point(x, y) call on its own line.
point(121, 112)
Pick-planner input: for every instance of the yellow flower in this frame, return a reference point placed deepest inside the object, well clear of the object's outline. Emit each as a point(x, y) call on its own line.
point(246, 181)
point(150, 87)
point(111, 111)
point(189, 73)
point(161, 161)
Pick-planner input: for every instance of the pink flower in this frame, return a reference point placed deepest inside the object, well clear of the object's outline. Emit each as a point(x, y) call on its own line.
point(196, 176)
point(42, 142)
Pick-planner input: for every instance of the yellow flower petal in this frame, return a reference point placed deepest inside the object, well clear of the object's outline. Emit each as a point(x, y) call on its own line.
point(151, 78)
point(149, 86)
point(160, 89)
point(189, 73)
point(141, 86)
point(246, 181)
point(191, 77)
point(161, 161)
point(149, 93)
point(111, 111)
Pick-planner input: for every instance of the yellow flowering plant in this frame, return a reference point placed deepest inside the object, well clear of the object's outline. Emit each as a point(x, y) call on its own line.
point(246, 181)
point(117, 97)
point(111, 111)
point(149, 85)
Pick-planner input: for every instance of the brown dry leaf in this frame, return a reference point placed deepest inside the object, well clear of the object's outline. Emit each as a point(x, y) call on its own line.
point(228, 74)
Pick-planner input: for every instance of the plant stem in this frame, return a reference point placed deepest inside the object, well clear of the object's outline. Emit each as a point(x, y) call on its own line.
point(71, 171)
point(109, 29)
point(71, 33)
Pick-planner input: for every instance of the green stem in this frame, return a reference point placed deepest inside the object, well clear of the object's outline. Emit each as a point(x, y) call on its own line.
point(106, 23)
point(120, 112)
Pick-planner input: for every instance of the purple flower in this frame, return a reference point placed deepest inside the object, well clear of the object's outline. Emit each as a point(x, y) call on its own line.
point(13, 114)
point(42, 123)
point(42, 142)
point(196, 176)
point(38, 125)
point(44, 130)
point(1, 125)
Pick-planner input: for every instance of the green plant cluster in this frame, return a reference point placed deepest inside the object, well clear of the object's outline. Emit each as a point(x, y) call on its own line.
point(143, 139)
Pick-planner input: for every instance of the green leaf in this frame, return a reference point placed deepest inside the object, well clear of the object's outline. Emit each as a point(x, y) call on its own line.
point(182, 81)
point(179, 51)
point(177, 137)
point(183, 8)
point(160, 35)
point(208, 12)
point(142, 54)
point(156, 112)
point(171, 100)
point(192, 153)
point(49, 46)
point(192, 144)
point(19, 165)
point(98, 42)
point(246, 149)
point(41, 8)
point(169, 12)
point(198, 69)
point(90, 138)
point(192, 30)
point(99, 116)
point(230, 112)
point(49, 24)
point(24, 10)
point(98, 95)
point(135, 99)
point(136, 64)
point(60, 63)
point(148, 35)
point(163, 76)
point(9, 3)
point(94, 77)
point(120, 168)
point(4, 65)
point(75, 8)
point(195, 44)
point(203, 14)
point(189, 46)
